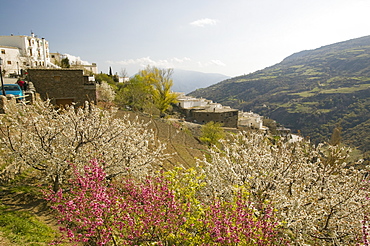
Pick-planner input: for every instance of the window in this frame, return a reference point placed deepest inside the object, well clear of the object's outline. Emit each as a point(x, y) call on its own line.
point(62, 102)
point(56, 78)
point(2, 51)
point(9, 62)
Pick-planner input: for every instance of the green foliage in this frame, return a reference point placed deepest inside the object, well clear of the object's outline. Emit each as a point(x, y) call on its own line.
point(64, 63)
point(136, 94)
point(148, 91)
point(21, 228)
point(104, 77)
point(161, 83)
point(186, 184)
point(212, 133)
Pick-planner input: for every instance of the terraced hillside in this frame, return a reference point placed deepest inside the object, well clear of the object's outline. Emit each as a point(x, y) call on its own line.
point(313, 91)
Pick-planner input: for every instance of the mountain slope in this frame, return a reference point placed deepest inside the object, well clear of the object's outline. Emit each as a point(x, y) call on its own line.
point(312, 91)
point(187, 81)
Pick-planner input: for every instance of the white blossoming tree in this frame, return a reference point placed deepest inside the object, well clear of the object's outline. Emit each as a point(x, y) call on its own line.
point(105, 92)
point(47, 139)
point(319, 198)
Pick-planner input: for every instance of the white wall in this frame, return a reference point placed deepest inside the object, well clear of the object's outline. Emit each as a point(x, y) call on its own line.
point(33, 50)
point(250, 119)
point(12, 63)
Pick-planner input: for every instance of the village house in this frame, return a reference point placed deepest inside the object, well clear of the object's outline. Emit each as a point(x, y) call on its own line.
point(23, 52)
point(250, 120)
point(187, 102)
point(217, 113)
point(75, 63)
point(29, 57)
point(63, 86)
point(202, 111)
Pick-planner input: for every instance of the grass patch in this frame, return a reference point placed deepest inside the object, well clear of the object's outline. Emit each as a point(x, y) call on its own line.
point(345, 90)
point(342, 90)
point(305, 93)
point(21, 228)
point(323, 111)
point(312, 72)
point(299, 108)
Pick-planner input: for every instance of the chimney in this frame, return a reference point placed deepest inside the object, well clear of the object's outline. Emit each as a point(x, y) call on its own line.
point(44, 51)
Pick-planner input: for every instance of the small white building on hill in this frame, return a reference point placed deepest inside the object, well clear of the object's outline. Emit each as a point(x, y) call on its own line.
point(187, 102)
point(250, 119)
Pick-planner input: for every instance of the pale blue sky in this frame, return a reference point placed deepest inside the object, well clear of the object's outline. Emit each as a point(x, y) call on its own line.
point(231, 37)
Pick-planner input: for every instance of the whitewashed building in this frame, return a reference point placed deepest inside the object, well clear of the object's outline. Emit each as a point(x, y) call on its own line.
point(187, 102)
point(21, 52)
point(75, 62)
point(250, 119)
point(12, 62)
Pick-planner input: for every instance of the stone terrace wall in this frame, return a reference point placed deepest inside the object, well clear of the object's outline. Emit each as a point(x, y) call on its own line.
point(5, 102)
point(62, 86)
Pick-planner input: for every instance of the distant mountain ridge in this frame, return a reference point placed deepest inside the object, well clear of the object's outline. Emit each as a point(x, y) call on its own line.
point(187, 81)
point(313, 91)
point(352, 43)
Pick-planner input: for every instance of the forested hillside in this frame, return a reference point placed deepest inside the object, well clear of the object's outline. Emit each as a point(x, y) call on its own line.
point(313, 91)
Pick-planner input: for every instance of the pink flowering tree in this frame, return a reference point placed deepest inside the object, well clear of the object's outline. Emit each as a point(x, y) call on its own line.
point(87, 208)
point(160, 210)
point(129, 213)
point(239, 222)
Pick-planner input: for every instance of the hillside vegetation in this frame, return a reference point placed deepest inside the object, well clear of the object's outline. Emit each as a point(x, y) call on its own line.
point(313, 91)
point(112, 178)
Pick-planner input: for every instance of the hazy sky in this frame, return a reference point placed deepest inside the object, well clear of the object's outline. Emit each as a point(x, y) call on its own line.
point(231, 37)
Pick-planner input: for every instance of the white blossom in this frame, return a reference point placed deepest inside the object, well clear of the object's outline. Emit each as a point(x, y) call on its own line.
point(105, 92)
point(48, 139)
point(315, 194)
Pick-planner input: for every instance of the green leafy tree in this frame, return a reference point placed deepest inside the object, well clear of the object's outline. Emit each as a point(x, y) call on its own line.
point(64, 63)
point(148, 91)
point(110, 72)
point(161, 82)
point(104, 77)
point(212, 133)
point(136, 94)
